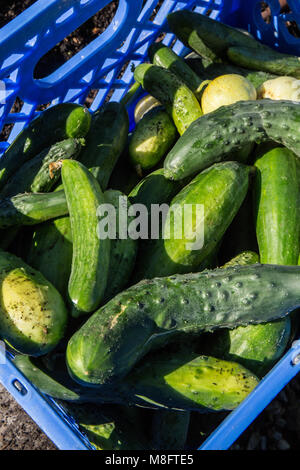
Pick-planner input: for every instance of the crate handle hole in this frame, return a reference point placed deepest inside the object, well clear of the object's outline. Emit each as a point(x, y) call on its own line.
point(19, 387)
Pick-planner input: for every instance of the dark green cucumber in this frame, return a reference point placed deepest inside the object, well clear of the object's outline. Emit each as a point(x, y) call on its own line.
point(256, 347)
point(220, 190)
point(51, 252)
point(170, 429)
point(216, 135)
point(122, 251)
point(56, 123)
point(90, 260)
point(152, 138)
point(179, 101)
point(153, 312)
point(277, 199)
point(105, 141)
point(31, 209)
point(36, 175)
point(33, 316)
point(164, 56)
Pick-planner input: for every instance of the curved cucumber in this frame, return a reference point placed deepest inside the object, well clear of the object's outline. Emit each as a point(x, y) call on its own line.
point(152, 312)
point(105, 141)
point(33, 316)
point(90, 261)
point(163, 56)
point(219, 192)
point(216, 135)
point(42, 172)
point(179, 101)
point(31, 209)
point(152, 138)
point(56, 123)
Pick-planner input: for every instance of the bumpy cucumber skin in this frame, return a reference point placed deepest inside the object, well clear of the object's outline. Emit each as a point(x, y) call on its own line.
point(277, 199)
point(31, 209)
point(221, 190)
point(152, 312)
point(90, 260)
point(164, 57)
point(179, 101)
point(192, 383)
point(34, 175)
point(56, 123)
point(33, 316)
point(211, 138)
point(265, 60)
point(105, 141)
point(122, 253)
point(51, 252)
point(152, 138)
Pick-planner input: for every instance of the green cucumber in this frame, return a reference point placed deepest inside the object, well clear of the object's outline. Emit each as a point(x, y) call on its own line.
point(164, 56)
point(153, 312)
point(220, 190)
point(33, 316)
point(277, 199)
point(56, 123)
point(105, 141)
point(51, 252)
point(179, 101)
point(31, 209)
point(90, 260)
point(122, 251)
point(152, 138)
point(216, 135)
point(36, 174)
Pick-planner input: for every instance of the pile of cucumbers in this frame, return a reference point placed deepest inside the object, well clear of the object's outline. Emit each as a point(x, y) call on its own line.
point(134, 334)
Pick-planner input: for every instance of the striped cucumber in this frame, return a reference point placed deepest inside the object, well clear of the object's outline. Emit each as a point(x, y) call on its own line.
point(220, 191)
point(52, 125)
point(90, 260)
point(105, 141)
point(42, 172)
point(153, 312)
point(179, 101)
point(228, 129)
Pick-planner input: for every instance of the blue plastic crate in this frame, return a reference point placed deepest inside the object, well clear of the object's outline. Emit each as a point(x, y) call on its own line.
point(98, 67)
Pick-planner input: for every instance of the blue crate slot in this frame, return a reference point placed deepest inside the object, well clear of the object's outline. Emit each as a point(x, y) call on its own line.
point(105, 66)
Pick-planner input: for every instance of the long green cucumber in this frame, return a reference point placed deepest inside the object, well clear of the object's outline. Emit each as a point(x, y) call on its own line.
point(153, 137)
point(152, 312)
point(169, 429)
point(33, 316)
point(31, 209)
point(122, 250)
point(216, 135)
point(105, 141)
point(179, 101)
point(90, 260)
point(56, 123)
point(256, 347)
point(277, 199)
point(164, 56)
point(51, 252)
point(219, 191)
point(36, 175)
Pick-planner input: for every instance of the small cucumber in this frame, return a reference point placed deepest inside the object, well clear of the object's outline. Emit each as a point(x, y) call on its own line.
point(31, 209)
point(37, 174)
point(90, 260)
point(152, 138)
point(216, 135)
point(179, 101)
point(220, 191)
point(52, 125)
point(105, 141)
point(33, 316)
point(153, 312)
point(164, 56)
